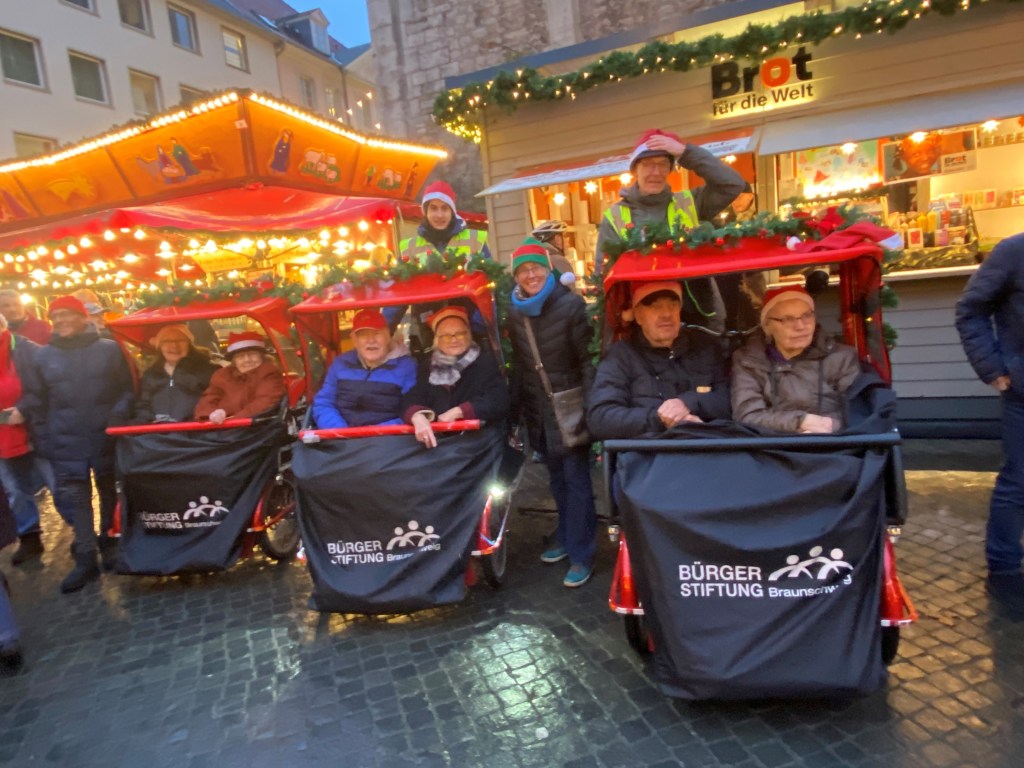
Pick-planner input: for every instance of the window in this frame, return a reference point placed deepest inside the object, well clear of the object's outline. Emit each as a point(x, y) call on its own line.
point(234, 49)
point(134, 14)
point(307, 92)
point(26, 145)
point(19, 59)
point(84, 4)
point(89, 78)
point(145, 93)
point(320, 39)
point(183, 28)
point(190, 95)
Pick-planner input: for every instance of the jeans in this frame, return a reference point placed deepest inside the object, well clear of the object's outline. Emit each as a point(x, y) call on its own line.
point(22, 477)
point(574, 496)
point(1006, 514)
point(73, 499)
point(9, 634)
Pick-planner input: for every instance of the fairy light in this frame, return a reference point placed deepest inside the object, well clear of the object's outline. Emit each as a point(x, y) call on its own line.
point(590, 187)
point(363, 226)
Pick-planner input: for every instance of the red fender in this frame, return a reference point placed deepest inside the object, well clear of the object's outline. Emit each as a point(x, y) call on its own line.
point(897, 609)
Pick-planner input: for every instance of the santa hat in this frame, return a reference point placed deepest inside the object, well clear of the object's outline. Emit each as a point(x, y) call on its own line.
point(641, 150)
point(369, 320)
point(68, 303)
point(445, 312)
point(531, 251)
point(851, 237)
point(775, 296)
point(439, 190)
point(643, 291)
point(245, 340)
point(169, 330)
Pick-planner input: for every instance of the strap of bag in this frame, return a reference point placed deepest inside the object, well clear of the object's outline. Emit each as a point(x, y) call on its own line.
point(537, 364)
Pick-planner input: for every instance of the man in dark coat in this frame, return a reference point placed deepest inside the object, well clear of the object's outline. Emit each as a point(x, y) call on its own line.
point(996, 293)
point(558, 319)
point(659, 377)
point(77, 386)
point(20, 321)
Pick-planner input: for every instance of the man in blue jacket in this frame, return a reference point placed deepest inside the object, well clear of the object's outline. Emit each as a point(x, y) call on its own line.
point(996, 293)
point(365, 385)
point(76, 387)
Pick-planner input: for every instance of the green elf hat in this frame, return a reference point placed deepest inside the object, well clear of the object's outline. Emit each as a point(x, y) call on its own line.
point(532, 250)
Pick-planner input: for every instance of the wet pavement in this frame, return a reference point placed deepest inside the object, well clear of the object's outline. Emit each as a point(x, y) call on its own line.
point(234, 670)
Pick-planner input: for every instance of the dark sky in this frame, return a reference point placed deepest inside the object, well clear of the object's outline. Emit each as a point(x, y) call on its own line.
point(347, 17)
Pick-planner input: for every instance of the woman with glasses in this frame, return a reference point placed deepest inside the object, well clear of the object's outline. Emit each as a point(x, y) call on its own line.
point(460, 379)
point(792, 377)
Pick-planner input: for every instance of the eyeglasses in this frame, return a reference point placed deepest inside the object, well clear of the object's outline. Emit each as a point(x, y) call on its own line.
point(655, 164)
point(791, 321)
point(530, 269)
point(460, 336)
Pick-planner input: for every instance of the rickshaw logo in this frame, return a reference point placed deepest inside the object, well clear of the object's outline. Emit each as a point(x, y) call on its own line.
point(414, 537)
point(795, 567)
point(212, 510)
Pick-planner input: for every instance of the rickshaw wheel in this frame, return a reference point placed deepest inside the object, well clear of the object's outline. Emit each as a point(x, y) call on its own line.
point(280, 541)
point(637, 636)
point(494, 564)
point(890, 643)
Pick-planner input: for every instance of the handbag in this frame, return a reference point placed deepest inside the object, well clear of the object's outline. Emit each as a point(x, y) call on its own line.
point(568, 405)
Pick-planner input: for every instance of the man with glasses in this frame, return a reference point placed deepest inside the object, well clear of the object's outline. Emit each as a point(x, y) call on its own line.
point(792, 377)
point(650, 198)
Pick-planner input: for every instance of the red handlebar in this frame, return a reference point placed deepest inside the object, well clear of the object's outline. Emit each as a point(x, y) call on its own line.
point(379, 430)
point(178, 426)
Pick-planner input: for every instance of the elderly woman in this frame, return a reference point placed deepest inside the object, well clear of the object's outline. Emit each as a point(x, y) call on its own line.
point(250, 386)
point(792, 377)
point(173, 384)
point(460, 380)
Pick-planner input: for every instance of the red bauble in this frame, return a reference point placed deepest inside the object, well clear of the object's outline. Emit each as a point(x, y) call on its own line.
point(719, 241)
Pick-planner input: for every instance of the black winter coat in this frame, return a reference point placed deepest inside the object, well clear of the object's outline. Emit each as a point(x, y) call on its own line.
point(481, 391)
point(175, 396)
point(636, 378)
point(563, 336)
point(78, 385)
point(996, 292)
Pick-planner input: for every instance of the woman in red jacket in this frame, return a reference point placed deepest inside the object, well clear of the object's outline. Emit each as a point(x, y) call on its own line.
point(250, 386)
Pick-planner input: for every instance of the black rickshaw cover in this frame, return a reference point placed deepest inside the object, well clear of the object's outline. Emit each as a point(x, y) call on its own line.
point(189, 496)
point(760, 571)
point(388, 525)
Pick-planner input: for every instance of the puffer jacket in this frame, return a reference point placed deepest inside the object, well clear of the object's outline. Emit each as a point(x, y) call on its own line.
point(635, 379)
point(242, 395)
point(174, 395)
point(78, 385)
point(356, 396)
point(773, 393)
point(996, 292)
point(563, 336)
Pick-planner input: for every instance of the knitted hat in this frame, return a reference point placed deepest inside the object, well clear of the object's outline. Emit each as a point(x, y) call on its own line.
point(642, 291)
point(245, 340)
point(775, 296)
point(641, 150)
point(369, 320)
point(169, 330)
point(446, 312)
point(531, 251)
point(439, 190)
point(69, 303)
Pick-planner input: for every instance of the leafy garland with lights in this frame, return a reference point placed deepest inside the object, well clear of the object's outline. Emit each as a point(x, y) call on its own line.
point(457, 109)
point(851, 195)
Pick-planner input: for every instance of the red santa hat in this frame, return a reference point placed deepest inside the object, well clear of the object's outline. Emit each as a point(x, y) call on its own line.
point(439, 190)
point(775, 296)
point(642, 150)
point(445, 312)
point(69, 303)
point(369, 320)
point(245, 340)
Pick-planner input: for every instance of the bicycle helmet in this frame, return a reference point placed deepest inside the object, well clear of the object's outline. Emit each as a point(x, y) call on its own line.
point(548, 229)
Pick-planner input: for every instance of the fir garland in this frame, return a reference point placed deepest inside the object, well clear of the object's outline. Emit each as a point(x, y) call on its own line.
point(458, 109)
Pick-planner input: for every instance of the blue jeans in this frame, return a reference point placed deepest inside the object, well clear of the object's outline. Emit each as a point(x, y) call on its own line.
point(73, 499)
point(1006, 514)
point(574, 497)
point(9, 634)
point(22, 477)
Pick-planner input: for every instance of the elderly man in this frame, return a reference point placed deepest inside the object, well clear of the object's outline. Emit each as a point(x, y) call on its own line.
point(650, 198)
point(21, 322)
point(78, 385)
point(658, 377)
point(366, 385)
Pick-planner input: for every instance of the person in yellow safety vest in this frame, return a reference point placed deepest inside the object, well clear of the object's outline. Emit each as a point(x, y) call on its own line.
point(650, 198)
point(443, 229)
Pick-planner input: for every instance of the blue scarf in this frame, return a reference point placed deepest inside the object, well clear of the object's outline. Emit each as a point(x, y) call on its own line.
point(532, 305)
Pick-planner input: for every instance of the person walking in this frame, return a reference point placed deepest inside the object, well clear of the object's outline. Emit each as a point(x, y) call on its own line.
point(556, 319)
point(990, 320)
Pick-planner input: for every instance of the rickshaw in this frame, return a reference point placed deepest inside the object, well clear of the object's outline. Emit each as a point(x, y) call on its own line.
point(195, 496)
point(387, 525)
point(759, 564)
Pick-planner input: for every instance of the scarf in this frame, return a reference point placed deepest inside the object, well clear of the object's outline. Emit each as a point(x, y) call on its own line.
point(531, 306)
point(439, 238)
point(446, 370)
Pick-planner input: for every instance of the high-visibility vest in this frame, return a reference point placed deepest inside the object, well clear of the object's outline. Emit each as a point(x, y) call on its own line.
point(468, 243)
point(681, 214)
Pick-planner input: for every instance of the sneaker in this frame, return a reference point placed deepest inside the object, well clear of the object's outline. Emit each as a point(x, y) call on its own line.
point(578, 575)
point(554, 555)
point(1007, 589)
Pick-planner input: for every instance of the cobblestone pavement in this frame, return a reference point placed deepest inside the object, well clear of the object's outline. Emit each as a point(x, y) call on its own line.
point(233, 670)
